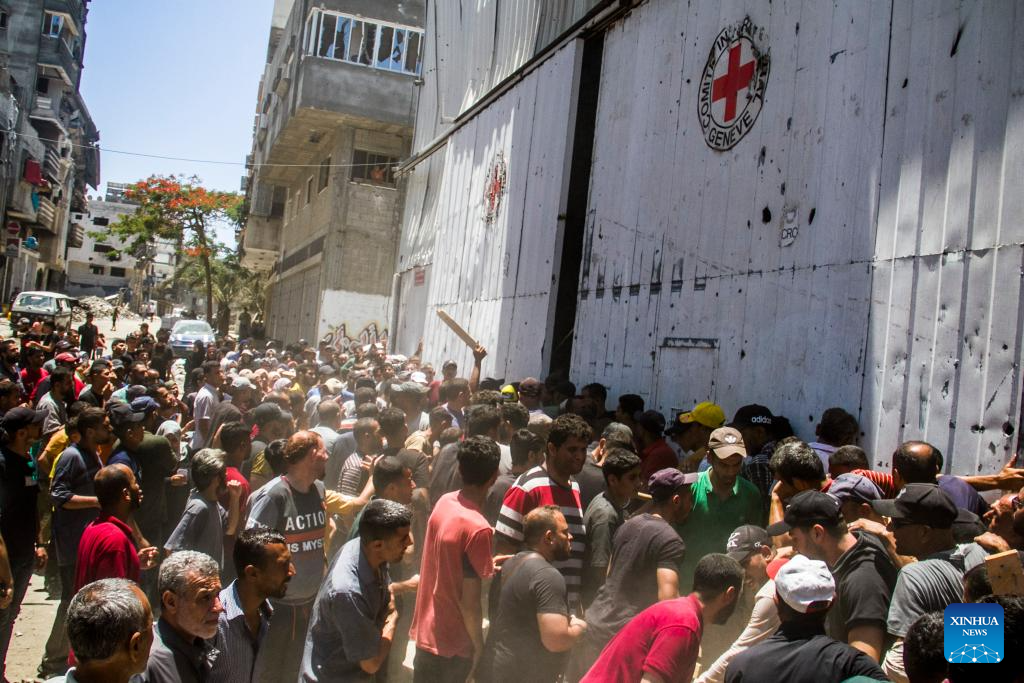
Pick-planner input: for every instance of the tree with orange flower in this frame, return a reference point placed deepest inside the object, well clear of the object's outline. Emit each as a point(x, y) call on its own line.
point(176, 208)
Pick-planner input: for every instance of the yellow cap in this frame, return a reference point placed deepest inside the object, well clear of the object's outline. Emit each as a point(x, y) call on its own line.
point(708, 414)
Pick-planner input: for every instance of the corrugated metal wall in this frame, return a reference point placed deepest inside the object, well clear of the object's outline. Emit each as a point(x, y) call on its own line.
point(900, 161)
point(687, 292)
point(496, 278)
point(945, 338)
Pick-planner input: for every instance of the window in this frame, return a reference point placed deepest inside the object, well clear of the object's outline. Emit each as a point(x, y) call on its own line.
point(101, 221)
point(375, 44)
point(117, 272)
point(370, 167)
point(4, 18)
point(325, 174)
point(309, 189)
point(53, 24)
point(102, 248)
point(97, 270)
point(43, 86)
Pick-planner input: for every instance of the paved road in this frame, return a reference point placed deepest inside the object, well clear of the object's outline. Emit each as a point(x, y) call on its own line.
point(33, 625)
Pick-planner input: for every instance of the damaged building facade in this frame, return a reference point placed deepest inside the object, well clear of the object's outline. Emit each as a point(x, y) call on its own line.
point(334, 117)
point(49, 154)
point(793, 203)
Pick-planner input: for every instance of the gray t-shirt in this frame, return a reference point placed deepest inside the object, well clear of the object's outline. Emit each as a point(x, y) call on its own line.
point(302, 518)
point(201, 528)
point(206, 400)
point(930, 585)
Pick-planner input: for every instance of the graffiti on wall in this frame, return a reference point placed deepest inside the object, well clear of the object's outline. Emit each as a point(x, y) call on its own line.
point(344, 341)
point(351, 319)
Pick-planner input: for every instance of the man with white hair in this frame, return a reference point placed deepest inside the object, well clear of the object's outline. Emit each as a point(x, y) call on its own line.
point(189, 587)
point(110, 628)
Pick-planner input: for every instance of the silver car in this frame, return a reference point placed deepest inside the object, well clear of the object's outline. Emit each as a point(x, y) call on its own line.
point(186, 333)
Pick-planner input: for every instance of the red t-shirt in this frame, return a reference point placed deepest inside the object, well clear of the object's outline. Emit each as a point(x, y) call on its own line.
point(232, 474)
point(30, 378)
point(658, 456)
point(457, 547)
point(106, 551)
point(664, 640)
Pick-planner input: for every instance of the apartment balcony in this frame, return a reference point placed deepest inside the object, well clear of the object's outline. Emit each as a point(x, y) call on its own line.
point(57, 60)
point(261, 243)
point(330, 94)
point(46, 215)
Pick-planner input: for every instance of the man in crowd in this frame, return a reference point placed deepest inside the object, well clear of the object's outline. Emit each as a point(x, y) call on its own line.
point(655, 453)
point(751, 546)
point(448, 625)
point(722, 501)
point(480, 420)
point(353, 622)
point(527, 452)
point(263, 566)
point(101, 384)
point(800, 651)
point(690, 432)
point(534, 626)
point(605, 514)
point(864, 573)
point(921, 522)
point(206, 400)
point(552, 484)
point(755, 423)
point(645, 558)
point(110, 629)
point(455, 393)
point(88, 334)
point(204, 525)
point(662, 642)
point(591, 477)
point(33, 373)
point(294, 504)
point(55, 401)
point(189, 587)
point(107, 549)
point(836, 428)
point(73, 494)
point(856, 494)
point(19, 516)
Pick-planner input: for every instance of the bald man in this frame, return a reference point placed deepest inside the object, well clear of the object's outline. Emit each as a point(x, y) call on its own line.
point(106, 550)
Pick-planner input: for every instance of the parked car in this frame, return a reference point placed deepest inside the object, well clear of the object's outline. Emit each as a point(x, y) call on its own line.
point(43, 306)
point(186, 333)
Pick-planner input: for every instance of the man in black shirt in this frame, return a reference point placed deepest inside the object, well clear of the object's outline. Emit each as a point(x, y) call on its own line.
point(864, 573)
point(19, 520)
point(532, 627)
point(88, 333)
point(101, 384)
point(800, 652)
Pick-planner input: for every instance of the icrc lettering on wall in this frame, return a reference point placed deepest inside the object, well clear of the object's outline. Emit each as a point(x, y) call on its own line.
point(733, 84)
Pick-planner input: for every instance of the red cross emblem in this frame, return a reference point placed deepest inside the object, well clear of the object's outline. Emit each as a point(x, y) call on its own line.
point(733, 84)
point(737, 78)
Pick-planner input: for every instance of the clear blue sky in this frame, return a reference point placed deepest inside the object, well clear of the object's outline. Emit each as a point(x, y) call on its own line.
point(175, 79)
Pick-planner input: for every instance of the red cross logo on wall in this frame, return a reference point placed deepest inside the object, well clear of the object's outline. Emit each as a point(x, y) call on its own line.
point(736, 78)
point(494, 188)
point(733, 84)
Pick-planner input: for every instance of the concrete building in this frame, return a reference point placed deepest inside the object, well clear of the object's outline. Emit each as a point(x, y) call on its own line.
point(104, 266)
point(334, 116)
point(795, 203)
point(49, 152)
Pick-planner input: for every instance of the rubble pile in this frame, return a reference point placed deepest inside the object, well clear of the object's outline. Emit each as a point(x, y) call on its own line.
point(101, 308)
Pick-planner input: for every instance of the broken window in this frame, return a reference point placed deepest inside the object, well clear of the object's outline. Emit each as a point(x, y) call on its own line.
point(117, 272)
point(371, 167)
point(376, 44)
point(325, 174)
point(52, 24)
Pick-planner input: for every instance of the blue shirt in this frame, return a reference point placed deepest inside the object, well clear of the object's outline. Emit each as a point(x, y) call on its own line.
point(348, 618)
point(73, 476)
point(238, 648)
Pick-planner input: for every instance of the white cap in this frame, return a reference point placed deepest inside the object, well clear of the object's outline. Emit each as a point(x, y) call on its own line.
point(805, 585)
point(418, 377)
point(241, 382)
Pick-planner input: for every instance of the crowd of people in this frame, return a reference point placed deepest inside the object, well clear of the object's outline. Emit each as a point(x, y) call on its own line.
point(296, 513)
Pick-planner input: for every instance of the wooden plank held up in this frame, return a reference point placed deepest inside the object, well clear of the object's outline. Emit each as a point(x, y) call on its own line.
point(457, 329)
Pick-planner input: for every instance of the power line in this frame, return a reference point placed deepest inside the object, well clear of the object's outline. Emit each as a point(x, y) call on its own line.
point(107, 150)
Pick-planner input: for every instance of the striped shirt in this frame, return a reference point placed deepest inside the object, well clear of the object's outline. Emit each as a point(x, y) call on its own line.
point(535, 489)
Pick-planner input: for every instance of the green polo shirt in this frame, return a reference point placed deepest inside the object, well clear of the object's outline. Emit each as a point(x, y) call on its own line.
point(713, 519)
